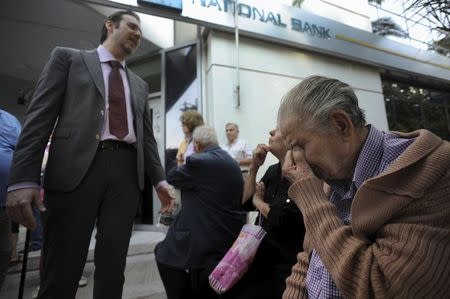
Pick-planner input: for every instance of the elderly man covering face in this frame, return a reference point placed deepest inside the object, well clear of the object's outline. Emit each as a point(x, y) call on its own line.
point(380, 228)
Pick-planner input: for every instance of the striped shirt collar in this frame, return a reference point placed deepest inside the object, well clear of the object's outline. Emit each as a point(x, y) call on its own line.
point(366, 166)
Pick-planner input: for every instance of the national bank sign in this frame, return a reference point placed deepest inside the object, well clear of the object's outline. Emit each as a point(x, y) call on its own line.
point(254, 14)
point(262, 14)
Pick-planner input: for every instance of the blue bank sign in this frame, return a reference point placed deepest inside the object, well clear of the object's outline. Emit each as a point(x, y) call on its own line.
point(270, 20)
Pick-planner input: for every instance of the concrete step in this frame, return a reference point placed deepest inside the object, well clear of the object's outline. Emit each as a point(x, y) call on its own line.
point(141, 275)
point(143, 240)
point(141, 281)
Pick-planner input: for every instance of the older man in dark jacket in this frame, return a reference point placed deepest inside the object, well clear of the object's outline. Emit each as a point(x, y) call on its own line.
point(209, 221)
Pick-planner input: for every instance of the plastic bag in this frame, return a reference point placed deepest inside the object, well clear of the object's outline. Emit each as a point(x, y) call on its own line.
point(238, 259)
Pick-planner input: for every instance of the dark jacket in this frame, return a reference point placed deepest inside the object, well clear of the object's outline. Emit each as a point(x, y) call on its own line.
point(284, 226)
point(211, 216)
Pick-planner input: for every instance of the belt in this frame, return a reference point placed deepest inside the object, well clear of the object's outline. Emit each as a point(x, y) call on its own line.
point(114, 145)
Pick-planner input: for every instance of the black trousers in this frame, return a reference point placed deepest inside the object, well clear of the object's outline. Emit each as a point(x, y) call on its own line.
point(182, 284)
point(106, 197)
point(5, 244)
point(261, 282)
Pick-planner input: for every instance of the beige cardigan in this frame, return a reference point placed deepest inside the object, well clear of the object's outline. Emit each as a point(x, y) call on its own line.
point(398, 245)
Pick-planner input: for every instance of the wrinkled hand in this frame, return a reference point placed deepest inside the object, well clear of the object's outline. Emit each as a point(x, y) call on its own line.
point(19, 206)
point(166, 196)
point(295, 166)
point(259, 155)
point(258, 196)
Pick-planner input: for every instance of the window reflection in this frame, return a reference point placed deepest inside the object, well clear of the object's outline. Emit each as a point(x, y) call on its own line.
point(411, 107)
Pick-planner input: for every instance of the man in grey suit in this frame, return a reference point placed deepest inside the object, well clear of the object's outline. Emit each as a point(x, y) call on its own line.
point(102, 148)
point(209, 221)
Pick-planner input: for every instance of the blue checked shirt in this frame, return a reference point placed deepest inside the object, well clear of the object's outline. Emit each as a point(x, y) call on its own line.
point(9, 132)
point(379, 151)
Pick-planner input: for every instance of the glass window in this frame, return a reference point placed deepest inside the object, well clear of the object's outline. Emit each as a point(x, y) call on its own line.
point(410, 107)
point(181, 94)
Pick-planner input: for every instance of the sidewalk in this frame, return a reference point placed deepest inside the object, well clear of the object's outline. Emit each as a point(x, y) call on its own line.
point(142, 280)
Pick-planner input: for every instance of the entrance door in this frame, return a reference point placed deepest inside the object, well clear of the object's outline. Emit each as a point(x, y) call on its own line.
point(181, 85)
point(148, 209)
point(180, 91)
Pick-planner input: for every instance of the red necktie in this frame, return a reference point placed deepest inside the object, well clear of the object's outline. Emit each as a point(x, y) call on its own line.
point(118, 124)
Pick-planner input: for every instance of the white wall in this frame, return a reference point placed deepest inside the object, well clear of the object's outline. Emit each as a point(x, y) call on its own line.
point(267, 72)
point(184, 32)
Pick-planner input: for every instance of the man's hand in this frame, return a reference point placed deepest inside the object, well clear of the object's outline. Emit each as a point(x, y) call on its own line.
point(259, 155)
point(166, 196)
point(19, 206)
point(295, 167)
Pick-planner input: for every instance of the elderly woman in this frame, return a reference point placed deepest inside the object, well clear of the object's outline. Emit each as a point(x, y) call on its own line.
point(190, 119)
point(280, 218)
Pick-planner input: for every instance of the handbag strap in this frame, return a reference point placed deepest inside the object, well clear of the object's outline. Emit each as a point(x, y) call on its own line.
point(259, 219)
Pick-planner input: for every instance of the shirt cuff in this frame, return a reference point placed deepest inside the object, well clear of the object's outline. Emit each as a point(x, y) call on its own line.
point(161, 184)
point(22, 185)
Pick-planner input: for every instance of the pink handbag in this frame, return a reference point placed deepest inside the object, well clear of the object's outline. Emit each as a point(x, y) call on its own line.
point(238, 259)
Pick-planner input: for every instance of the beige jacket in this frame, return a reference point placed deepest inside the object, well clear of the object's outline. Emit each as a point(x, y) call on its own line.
point(398, 245)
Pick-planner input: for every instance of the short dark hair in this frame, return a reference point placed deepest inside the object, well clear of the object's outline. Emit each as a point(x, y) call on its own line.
point(116, 18)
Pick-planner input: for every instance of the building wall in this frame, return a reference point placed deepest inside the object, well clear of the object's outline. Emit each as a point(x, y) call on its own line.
point(184, 32)
point(267, 72)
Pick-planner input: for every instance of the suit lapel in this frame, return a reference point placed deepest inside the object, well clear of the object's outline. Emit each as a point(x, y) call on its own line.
point(93, 64)
point(135, 93)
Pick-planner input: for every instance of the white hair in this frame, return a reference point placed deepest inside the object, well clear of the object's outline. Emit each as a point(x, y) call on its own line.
point(205, 136)
point(312, 100)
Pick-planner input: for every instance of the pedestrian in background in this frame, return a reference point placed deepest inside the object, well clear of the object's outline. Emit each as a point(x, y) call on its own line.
point(237, 147)
point(190, 119)
point(279, 217)
point(209, 221)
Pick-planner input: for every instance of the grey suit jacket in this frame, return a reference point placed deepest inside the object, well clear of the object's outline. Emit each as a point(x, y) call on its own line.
point(70, 93)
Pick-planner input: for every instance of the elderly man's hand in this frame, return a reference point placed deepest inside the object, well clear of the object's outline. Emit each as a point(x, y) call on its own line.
point(166, 195)
point(19, 206)
point(295, 166)
point(259, 155)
